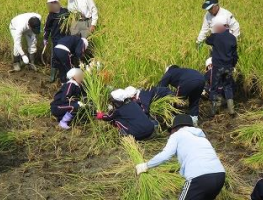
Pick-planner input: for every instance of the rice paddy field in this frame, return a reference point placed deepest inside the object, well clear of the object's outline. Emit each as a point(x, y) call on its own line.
point(135, 40)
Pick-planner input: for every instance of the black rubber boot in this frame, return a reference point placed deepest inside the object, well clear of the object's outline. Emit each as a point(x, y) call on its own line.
point(53, 75)
point(214, 109)
point(32, 62)
point(231, 107)
point(16, 63)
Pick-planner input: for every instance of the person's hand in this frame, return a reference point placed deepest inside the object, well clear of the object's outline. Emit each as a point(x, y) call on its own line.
point(25, 59)
point(110, 107)
point(82, 105)
point(199, 45)
point(100, 115)
point(141, 168)
point(92, 28)
point(45, 42)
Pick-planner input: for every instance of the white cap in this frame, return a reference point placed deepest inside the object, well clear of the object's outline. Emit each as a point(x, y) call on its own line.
point(130, 91)
point(74, 72)
point(118, 95)
point(219, 20)
point(51, 1)
point(86, 43)
point(208, 62)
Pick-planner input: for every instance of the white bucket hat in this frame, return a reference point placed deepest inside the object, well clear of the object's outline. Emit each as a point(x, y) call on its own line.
point(74, 72)
point(130, 91)
point(119, 95)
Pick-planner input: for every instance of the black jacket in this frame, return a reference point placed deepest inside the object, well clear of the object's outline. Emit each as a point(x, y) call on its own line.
point(179, 76)
point(258, 191)
point(53, 25)
point(132, 120)
point(224, 52)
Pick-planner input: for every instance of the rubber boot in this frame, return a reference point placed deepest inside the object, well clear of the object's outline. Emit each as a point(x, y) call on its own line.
point(195, 120)
point(214, 110)
point(231, 107)
point(53, 74)
point(32, 62)
point(65, 120)
point(16, 64)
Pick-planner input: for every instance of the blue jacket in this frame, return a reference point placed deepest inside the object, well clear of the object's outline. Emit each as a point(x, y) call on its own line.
point(224, 52)
point(132, 120)
point(177, 77)
point(71, 91)
point(194, 152)
point(74, 44)
point(53, 23)
point(146, 97)
point(257, 193)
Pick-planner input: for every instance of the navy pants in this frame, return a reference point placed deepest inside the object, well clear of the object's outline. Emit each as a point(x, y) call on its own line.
point(193, 91)
point(221, 76)
point(257, 193)
point(205, 187)
point(62, 61)
point(60, 110)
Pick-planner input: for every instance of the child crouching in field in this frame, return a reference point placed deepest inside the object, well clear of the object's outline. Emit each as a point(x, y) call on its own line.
point(67, 100)
point(128, 117)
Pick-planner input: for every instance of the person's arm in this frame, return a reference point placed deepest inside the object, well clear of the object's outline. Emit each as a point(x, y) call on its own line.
point(235, 56)
point(107, 117)
point(234, 26)
point(166, 79)
point(80, 49)
point(204, 30)
point(210, 40)
point(94, 12)
point(169, 150)
point(47, 28)
point(67, 92)
point(17, 42)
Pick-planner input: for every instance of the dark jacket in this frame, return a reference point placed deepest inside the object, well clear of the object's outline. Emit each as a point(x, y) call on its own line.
point(132, 120)
point(74, 44)
point(146, 97)
point(224, 52)
point(177, 77)
point(69, 92)
point(258, 191)
point(53, 25)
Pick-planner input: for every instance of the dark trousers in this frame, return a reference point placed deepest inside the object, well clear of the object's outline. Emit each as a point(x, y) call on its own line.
point(221, 76)
point(62, 61)
point(205, 187)
point(193, 91)
point(257, 193)
point(60, 110)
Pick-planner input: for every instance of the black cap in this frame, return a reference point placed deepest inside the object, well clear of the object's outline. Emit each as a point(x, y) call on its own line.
point(181, 120)
point(35, 25)
point(208, 4)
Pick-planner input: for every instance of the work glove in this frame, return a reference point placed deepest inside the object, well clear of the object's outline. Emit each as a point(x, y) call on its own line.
point(110, 107)
point(45, 42)
point(100, 115)
point(141, 168)
point(25, 59)
point(82, 105)
point(199, 45)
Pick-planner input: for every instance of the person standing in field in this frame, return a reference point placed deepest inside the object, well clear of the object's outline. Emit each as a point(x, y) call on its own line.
point(27, 25)
point(52, 28)
point(224, 59)
point(189, 83)
point(214, 11)
point(200, 166)
point(86, 25)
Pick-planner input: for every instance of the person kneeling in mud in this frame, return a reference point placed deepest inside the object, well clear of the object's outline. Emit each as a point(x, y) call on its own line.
point(67, 100)
point(128, 116)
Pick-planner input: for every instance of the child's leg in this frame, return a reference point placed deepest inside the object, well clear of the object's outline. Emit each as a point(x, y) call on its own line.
point(228, 84)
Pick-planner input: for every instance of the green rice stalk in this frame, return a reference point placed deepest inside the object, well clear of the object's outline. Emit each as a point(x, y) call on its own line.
point(255, 161)
point(40, 109)
point(68, 20)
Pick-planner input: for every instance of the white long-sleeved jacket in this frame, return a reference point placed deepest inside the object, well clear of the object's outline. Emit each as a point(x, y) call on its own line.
point(86, 7)
point(195, 153)
point(208, 19)
point(18, 27)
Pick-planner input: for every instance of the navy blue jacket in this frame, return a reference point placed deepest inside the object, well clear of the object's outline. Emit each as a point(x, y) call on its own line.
point(53, 23)
point(74, 44)
point(69, 92)
point(147, 96)
point(177, 77)
point(132, 120)
point(224, 52)
point(258, 191)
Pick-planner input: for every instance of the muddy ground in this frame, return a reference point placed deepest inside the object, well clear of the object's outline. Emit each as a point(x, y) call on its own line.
point(40, 168)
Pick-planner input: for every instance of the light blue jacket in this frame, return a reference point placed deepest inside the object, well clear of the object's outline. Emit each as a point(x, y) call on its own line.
point(195, 153)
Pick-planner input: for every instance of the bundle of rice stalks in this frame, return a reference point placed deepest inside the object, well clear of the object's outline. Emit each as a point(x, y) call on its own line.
point(255, 161)
point(68, 20)
point(156, 184)
point(165, 109)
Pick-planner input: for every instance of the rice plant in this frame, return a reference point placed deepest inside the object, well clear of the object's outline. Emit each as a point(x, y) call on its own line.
point(69, 20)
point(254, 161)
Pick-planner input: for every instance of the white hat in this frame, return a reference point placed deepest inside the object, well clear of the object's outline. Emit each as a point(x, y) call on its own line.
point(208, 62)
point(219, 20)
point(118, 95)
point(130, 91)
point(74, 72)
point(86, 43)
point(51, 1)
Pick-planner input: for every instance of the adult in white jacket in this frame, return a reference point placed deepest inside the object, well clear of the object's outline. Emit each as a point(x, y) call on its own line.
point(28, 25)
point(215, 11)
point(200, 166)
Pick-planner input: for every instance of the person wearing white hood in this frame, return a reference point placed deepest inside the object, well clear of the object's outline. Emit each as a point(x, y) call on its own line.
point(64, 50)
point(28, 25)
point(200, 166)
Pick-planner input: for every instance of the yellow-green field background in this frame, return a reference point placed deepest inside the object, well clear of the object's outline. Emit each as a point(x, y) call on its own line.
point(136, 39)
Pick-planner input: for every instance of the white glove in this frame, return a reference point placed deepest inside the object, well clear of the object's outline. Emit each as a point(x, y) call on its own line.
point(141, 168)
point(82, 105)
point(110, 107)
point(25, 59)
